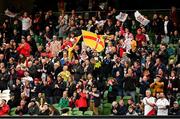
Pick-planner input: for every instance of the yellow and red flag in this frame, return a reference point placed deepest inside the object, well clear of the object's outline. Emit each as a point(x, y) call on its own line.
point(93, 40)
point(71, 48)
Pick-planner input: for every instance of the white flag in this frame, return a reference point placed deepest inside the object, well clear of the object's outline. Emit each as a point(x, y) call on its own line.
point(122, 16)
point(100, 23)
point(9, 13)
point(141, 19)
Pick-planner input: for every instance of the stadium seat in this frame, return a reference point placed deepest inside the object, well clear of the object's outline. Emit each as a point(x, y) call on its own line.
point(12, 111)
point(107, 109)
point(77, 113)
point(105, 94)
point(88, 113)
point(118, 98)
point(75, 109)
point(126, 98)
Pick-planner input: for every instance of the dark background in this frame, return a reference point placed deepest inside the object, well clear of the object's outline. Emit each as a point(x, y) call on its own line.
point(82, 5)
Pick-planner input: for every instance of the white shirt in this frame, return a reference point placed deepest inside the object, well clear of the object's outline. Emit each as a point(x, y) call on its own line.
point(26, 23)
point(165, 27)
point(162, 103)
point(24, 79)
point(148, 108)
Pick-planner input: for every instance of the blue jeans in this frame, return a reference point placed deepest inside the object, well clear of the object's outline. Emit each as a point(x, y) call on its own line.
point(130, 93)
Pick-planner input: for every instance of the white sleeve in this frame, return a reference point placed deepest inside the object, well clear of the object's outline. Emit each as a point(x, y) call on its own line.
point(144, 100)
point(167, 103)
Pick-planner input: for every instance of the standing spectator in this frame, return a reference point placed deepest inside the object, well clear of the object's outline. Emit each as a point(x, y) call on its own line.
point(94, 100)
point(55, 46)
point(168, 27)
point(13, 102)
point(173, 14)
point(157, 85)
point(59, 88)
point(24, 48)
point(149, 104)
point(130, 84)
point(82, 101)
point(140, 38)
point(4, 108)
point(162, 105)
point(65, 74)
point(4, 77)
point(26, 23)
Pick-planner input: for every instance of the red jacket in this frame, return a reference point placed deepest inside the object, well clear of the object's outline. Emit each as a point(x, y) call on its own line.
point(24, 50)
point(140, 38)
point(82, 102)
point(4, 110)
point(66, 44)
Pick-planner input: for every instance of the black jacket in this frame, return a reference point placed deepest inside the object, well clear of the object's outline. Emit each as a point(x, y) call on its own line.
point(129, 84)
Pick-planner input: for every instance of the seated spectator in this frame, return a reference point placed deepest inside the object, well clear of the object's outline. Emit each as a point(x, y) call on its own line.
point(122, 107)
point(115, 108)
point(44, 109)
point(64, 101)
point(33, 108)
point(131, 112)
point(22, 108)
point(4, 108)
point(53, 111)
point(175, 110)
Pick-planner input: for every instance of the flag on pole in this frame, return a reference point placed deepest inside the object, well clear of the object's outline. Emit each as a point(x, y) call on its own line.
point(9, 13)
point(141, 19)
point(71, 48)
point(93, 40)
point(122, 16)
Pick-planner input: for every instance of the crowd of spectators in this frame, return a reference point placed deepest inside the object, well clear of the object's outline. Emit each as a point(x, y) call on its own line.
point(138, 61)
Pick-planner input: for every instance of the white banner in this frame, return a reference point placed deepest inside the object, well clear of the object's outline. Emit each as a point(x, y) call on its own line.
point(9, 13)
point(100, 23)
point(122, 16)
point(141, 19)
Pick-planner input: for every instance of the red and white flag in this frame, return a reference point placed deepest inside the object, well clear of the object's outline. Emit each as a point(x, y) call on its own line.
point(141, 19)
point(9, 13)
point(122, 16)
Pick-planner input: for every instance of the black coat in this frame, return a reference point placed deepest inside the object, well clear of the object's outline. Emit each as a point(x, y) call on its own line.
point(22, 111)
point(4, 78)
point(59, 91)
point(129, 84)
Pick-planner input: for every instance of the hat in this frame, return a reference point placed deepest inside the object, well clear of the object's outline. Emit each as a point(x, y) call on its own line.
point(175, 102)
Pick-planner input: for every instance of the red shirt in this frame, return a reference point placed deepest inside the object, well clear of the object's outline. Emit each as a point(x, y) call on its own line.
point(82, 102)
point(24, 50)
point(140, 38)
point(4, 110)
